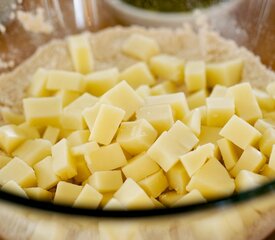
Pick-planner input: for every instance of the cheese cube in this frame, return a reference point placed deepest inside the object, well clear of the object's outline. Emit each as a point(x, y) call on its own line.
point(163, 88)
point(67, 96)
point(29, 131)
point(117, 95)
point(46, 178)
point(72, 114)
point(154, 184)
point(13, 188)
point(195, 76)
point(82, 169)
point(42, 111)
point(66, 193)
point(194, 160)
point(106, 124)
point(136, 136)
point(90, 115)
point(178, 178)
point(271, 162)
point(177, 101)
point(270, 89)
point(78, 137)
point(137, 75)
point(226, 73)
point(4, 160)
point(262, 124)
point(193, 121)
point(160, 116)
point(143, 91)
point(170, 145)
point(106, 158)
point(63, 162)
point(140, 47)
point(139, 167)
point(209, 135)
point(168, 67)
point(169, 198)
point(265, 101)
point(251, 159)
point(268, 172)
point(218, 91)
point(203, 115)
point(240, 132)
point(81, 53)
point(219, 111)
point(212, 180)
point(246, 108)
point(193, 197)
point(38, 84)
point(97, 83)
point(19, 171)
point(84, 148)
point(11, 117)
point(245, 180)
point(39, 194)
point(132, 196)
point(10, 137)
point(33, 151)
point(267, 141)
point(88, 198)
point(106, 181)
point(230, 153)
point(51, 134)
point(197, 99)
point(113, 204)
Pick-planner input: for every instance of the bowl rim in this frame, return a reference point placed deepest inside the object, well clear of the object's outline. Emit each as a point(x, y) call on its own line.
point(123, 214)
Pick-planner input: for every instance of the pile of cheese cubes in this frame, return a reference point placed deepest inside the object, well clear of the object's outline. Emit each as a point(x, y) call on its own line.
point(132, 139)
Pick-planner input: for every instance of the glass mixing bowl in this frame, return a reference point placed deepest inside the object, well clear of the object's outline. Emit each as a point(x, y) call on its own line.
point(248, 215)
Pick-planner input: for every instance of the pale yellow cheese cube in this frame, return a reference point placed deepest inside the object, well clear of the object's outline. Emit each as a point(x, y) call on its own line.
point(51, 134)
point(106, 181)
point(168, 67)
point(271, 162)
point(177, 101)
point(132, 196)
point(106, 124)
point(140, 47)
point(29, 131)
point(159, 116)
point(78, 137)
point(67, 96)
point(209, 135)
point(72, 114)
point(194, 160)
point(251, 159)
point(33, 151)
point(39, 194)
point(84, 148)
point(170, 145)
point(90, 115)
point(13, 188)
point(230, 153)
point(219, 110)
point(163, 88)
point(262, 124)
point(38, 84)
point(66, 193)
point(89, 197)
point(193, 121)
point(81, 53)
point(197, 99)
point(11, 117)
point(247, 107)
point(113, 204)
point(169, 198)
point(178, 178)
point(212, 180)
point(268, 172)
point(137, 75)
point(193, 197)
point(195, 76)
point(265, 101)
point(246, 180)
point(65, 80)
point(136, 136)
point(106, 158)
point(267, 141)
point(97, 83)
point(218, 91)
point(83, 172)
point(203, 115)
point(10, 137)
point(143, 91)
point(46, 178)
point(63, 162)
point(117, 95)
point(4, 160)
point(139, 167)
point(240, 132)
point(154, 184)
point(19, 171)
point(42, 111)
point(226, 73)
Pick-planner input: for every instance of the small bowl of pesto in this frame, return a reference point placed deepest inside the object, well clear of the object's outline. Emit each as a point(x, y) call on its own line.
point(172, 13)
